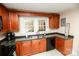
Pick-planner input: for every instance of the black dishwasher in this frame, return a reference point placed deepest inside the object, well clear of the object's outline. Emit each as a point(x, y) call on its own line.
point(50, 43)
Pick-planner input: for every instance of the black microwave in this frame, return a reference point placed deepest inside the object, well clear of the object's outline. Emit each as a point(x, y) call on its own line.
point(1, 23)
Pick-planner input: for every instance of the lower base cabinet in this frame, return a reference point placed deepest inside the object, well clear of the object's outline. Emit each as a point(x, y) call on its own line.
point(68, 46)
point(18, 48)
point(23, 48)
point(42, 45)
point(64, 45)
point(35, 46)
point(31, 47)
point(27, 48)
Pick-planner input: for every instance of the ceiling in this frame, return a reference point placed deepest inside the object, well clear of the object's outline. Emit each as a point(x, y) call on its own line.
point(42, 7)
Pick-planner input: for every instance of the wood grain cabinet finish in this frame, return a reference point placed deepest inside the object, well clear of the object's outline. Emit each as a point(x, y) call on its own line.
point(13, 22)
point(42, 45)
point(35, 46)
point(5, 20)
point(59, 44)
point(23, 48)
point(0, 11)
point(4, 14)
point(64, 45)
point(27, 48)
point(68, 46)
point(38, 45)
point(54, 22)
point(18, 44)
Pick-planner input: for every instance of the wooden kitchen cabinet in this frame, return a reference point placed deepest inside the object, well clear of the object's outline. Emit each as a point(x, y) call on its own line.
point(59, 42)
point(18, 44)
point(13, 22)
point(38, 45)
point(27, 48)
point(23, 48)
point(5, 20)
point(4, 14)
point(0, 11)
point(35, 46)
point(42, 45)
point(64, 45)
point(54, 22)
point(68, 46)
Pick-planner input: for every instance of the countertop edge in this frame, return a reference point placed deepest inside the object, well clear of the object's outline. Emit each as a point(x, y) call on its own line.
point(69, 36)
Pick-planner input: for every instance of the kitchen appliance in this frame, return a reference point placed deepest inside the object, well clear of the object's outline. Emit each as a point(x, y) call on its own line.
point(6, 50)
point(8, 45)
point(10, 36)
point(50, 43)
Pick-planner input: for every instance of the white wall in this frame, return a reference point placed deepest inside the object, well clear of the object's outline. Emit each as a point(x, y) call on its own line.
point(72, 17)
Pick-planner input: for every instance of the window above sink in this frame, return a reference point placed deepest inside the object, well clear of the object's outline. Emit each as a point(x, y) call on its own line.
point(33, 25)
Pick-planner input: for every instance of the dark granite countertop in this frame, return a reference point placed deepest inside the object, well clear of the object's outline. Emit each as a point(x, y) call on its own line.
point(47, 35)
point(8, 43)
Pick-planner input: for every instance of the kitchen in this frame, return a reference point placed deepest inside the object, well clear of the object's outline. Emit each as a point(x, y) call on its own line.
point(27, 33)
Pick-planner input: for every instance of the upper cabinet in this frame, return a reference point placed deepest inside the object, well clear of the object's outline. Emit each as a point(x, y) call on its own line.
point(13, 22)
point(54, 22)
point(4, 15)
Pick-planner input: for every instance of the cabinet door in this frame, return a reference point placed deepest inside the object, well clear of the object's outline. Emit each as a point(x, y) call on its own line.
point(25, 49)
point(35, 46)
point(42, 45)
point(54, 22)
point(59, 42)
point(0, 11)
point(5, 20)
point(14, 21)
point(18, 44)
point(4, 14)
point(51, 23)
point(68, 46)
